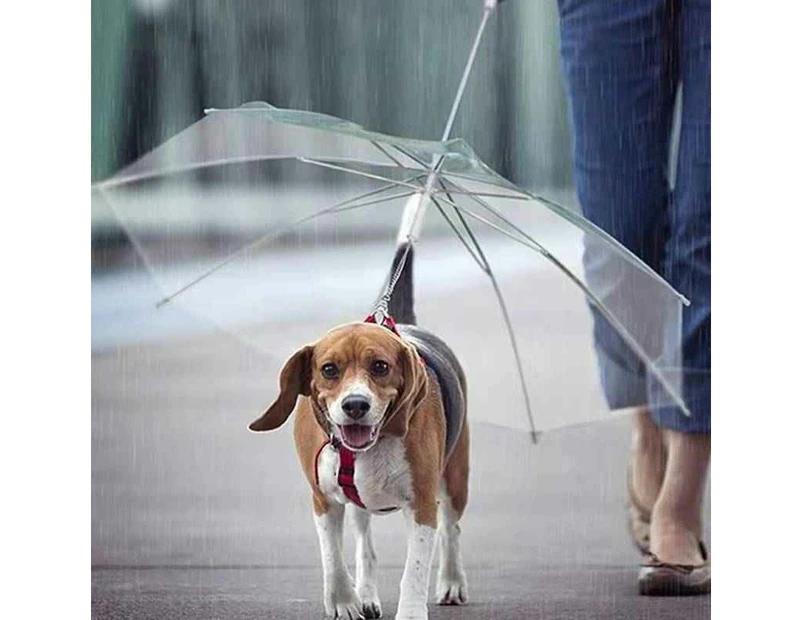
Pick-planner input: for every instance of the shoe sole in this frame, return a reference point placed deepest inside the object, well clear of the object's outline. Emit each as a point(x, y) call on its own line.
point(662, 581)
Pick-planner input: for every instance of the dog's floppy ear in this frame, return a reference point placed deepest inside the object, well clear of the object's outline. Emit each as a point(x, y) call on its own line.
point(414, 390)
point(293, 380)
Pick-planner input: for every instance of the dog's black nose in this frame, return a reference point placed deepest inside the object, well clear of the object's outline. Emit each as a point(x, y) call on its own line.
point(355, 406)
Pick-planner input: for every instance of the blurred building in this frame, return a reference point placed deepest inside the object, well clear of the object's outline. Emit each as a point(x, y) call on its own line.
point(391, 66)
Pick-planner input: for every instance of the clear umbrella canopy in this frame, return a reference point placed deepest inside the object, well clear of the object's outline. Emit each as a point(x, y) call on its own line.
point(276, 225)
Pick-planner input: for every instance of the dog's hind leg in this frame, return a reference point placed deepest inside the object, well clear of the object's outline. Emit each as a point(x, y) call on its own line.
point(451, 588)
point(339, 596)
point(366, 564)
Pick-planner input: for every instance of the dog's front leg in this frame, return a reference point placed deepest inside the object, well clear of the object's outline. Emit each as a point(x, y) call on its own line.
point(366, 565)
point(421, 533)
point(339, 596)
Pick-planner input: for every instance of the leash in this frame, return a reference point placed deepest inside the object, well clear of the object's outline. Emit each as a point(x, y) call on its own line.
point(381, 313)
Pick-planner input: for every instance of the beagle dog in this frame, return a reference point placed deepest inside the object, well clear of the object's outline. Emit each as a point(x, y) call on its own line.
point(380, 425)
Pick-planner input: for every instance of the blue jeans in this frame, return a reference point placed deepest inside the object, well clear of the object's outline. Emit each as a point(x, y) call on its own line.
point(623, 61)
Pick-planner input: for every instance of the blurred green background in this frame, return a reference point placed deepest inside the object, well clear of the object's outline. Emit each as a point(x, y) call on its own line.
point(391, 66)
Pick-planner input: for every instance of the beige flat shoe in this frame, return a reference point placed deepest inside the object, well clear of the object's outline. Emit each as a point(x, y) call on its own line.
point(657, 578)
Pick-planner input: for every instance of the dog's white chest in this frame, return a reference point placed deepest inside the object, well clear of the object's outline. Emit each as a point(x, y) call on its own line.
point(381, 475)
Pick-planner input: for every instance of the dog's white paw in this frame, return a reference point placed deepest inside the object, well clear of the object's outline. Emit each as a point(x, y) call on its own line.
point(452, 589)
point(351, 610)
point(412, 612)
point(343, 603)
point(371, 607)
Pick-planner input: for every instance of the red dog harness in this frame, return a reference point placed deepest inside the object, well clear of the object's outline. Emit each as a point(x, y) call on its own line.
point(345, 475)
point(385, 320)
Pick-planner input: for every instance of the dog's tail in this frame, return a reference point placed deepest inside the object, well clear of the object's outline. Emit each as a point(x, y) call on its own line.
point(401, 306)
point(401, 300)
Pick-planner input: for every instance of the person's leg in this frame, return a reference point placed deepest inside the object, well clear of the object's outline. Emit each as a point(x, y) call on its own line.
point(676, 528)
point(620, 75)
point(648, 458)
point(676, 522)
point(620, 83)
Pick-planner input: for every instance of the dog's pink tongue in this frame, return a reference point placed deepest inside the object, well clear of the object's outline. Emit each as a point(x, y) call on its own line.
point(356, 435)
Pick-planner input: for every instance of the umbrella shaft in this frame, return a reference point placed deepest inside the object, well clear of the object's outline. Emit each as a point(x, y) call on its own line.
point(413, 216)
point(466, 72)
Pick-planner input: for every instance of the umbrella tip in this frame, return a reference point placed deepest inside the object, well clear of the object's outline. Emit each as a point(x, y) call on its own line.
point(534, 436)
point(162, 302)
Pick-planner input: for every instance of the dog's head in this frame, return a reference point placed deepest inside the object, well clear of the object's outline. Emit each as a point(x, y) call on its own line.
point(362, 380)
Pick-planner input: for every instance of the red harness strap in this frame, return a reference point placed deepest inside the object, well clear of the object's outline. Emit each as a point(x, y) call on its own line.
point(386, 321)
point(345, 475)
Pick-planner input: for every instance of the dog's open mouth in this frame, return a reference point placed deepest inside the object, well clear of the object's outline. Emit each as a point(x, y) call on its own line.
point(357, 436)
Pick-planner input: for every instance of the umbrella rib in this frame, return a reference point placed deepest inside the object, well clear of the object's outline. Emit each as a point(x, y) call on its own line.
point(574, 219)
point(341, 206)
point(376, 177)
point(368, 203)
point(468, 192)
point(508, 322)
point(593, 299)
point(583, 226)
point(432, 168)
point(506, 185)
point(485, 265)
point(435, 167)
point(459, 235)
point(445, 175)
point(458, 191)
point(117, 180)
point(387, 154)
point(416, 159)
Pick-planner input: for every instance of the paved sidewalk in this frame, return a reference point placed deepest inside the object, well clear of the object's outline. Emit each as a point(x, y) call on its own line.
point(194, 517)
point(555, 593)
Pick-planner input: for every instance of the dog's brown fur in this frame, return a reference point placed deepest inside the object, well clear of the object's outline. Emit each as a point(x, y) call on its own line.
point(416, 412)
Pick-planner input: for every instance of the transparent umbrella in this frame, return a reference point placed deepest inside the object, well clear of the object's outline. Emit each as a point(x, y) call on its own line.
point(276, 225)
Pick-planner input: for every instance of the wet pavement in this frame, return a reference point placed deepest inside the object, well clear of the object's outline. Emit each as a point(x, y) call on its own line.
point(537, 592)
point(193, 516)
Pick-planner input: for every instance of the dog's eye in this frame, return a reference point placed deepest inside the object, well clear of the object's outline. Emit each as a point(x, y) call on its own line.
point(329, 371)
point(379, 368)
